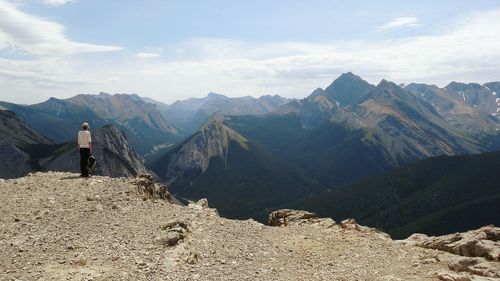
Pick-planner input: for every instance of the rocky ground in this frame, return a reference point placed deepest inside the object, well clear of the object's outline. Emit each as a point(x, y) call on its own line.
point(56, 226)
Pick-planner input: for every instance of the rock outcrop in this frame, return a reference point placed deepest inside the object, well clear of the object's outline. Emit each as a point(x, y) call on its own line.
point(477, 253)
point(483, 242)
point(285, 217)
point(147, 185)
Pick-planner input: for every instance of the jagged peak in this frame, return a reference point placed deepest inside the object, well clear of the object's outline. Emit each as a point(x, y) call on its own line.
point(462, 87)
point(347, 89)
point(103, 94)
point(385, 84)
point(348, 76)
point(419, 87)
point(54, 99)
point(215, 95)
point(455, 83)
point(317, 92)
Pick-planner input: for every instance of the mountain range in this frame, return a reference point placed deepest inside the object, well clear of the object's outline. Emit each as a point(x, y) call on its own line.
point(329, 143)
point(190, 114)
point(25, 150)
point(253, 155)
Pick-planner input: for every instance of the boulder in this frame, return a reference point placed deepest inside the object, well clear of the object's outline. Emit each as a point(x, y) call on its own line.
point(147, 185)
point(175, 231)
point(284, 217)
point(452, 276)
point(482, 242)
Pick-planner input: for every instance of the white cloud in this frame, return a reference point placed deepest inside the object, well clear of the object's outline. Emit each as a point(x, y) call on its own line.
point(24, 33)
point(146, 55)
point(401, 22)
point(114, 79)
point(57, 2)
point(467, 52)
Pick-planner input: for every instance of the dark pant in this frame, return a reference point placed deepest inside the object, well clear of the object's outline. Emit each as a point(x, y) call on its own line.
point(84, 159)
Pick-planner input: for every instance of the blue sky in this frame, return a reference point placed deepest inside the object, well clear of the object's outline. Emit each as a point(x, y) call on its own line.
point(171, 50)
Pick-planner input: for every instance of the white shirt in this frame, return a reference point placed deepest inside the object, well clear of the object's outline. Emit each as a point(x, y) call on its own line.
point(84, 139)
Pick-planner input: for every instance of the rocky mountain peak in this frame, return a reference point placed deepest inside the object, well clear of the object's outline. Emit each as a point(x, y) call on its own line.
point(213, 95)
point(387, 85)
point(456, 86)
point(210, 141)
point(348, 89)
point(317, 92)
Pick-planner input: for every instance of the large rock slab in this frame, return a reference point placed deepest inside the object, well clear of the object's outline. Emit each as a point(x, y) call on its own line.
point(482, 242)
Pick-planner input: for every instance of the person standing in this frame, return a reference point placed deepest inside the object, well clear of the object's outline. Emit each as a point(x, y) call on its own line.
point(85, 145)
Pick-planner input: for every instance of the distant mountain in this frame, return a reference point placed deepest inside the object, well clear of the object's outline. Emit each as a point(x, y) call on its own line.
point(56, 119)
point(348, 89)
point(462, 114)
point(476, 95)
point(142, 121)
point(190, 114)
point(378, 129)
point(388, 127)
point(59, 119)
point(236, 175)
point(16, 135)
point(409, 127)
point(433, 196)
point(314, 110)
point(115, 156)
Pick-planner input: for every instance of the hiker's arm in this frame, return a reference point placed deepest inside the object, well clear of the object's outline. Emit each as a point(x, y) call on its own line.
point(90, 146)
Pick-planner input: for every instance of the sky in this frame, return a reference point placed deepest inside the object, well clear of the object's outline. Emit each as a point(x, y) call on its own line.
point(171, 50)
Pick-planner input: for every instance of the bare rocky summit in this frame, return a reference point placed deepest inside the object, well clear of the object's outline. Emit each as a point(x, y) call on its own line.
point(56, 226)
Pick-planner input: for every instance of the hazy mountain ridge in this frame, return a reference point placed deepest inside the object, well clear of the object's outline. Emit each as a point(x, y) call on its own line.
point(190, 114)
point(57, 119)
point(143, 122)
